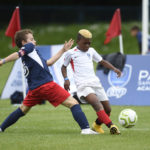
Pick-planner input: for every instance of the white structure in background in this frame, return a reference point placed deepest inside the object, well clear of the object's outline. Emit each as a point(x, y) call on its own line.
point(145, 22)
point(121, 44)
point(14, 82)
point(23, 81)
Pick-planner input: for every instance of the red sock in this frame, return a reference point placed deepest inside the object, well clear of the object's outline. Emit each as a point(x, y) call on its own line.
point(103, 117)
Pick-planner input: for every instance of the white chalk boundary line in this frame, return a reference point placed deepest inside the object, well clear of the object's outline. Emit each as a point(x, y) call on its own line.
point(121, 129)
point(135, 129)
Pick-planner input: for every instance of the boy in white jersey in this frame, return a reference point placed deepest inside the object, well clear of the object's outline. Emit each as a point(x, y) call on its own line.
point(88, 85)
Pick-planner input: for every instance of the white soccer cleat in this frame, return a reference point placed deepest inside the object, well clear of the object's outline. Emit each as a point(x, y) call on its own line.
point(88, 131)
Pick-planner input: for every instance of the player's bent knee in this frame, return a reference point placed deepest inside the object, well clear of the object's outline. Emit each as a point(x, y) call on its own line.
point(69, 102)
point(24, 108)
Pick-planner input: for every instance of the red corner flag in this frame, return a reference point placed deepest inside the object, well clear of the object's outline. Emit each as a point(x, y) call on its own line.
point(114, 28)
point(14, 25)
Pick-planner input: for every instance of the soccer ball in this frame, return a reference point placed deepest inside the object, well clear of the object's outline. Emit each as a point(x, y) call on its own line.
point(127, 118)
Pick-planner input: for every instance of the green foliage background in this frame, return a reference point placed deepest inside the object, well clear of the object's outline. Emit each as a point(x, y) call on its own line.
point(48, 34)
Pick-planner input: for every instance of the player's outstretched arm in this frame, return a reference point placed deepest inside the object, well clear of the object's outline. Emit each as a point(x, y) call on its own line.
point(9, 58)
point(64, 73)
point(66, 47)
point(110, 66)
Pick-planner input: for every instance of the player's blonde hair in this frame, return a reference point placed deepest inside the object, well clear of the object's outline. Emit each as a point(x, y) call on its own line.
point(85, 33)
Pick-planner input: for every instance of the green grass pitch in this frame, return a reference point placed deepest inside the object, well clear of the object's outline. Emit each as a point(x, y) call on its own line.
point(46, 127)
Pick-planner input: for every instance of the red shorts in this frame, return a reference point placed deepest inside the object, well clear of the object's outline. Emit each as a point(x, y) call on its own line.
point(50, 91)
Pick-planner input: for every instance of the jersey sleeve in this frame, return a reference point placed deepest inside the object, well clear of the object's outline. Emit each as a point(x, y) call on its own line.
point(67, 58)
point(96, 57)
point(26, 49)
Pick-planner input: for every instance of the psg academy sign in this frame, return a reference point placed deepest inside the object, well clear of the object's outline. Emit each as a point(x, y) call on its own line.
point(133, 87)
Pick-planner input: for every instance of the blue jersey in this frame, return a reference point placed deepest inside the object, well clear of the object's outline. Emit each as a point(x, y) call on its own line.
point(139, 38)
point(35, 67)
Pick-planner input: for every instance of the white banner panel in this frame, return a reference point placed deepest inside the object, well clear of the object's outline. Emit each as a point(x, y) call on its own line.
point(14, 82)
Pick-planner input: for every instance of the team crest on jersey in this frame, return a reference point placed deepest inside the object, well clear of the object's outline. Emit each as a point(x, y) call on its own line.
point(117, 88)
point(26, 70)
point(88, 55)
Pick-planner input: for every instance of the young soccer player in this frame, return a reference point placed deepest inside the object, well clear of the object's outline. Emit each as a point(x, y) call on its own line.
point(135, 32)
point(88, 85)
point(40, 82)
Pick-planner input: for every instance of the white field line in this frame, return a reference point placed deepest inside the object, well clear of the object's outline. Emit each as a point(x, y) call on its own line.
point(135, 129)
point(122, 129)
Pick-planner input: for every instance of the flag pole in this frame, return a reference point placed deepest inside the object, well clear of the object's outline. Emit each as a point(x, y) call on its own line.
point(145, 22)
point(121, 44)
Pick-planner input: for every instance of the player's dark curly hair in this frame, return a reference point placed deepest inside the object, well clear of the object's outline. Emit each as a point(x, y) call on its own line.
point(21, 36)
point(135, 28)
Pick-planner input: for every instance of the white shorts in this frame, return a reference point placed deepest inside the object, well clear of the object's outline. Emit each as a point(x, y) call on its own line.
point(99, 91)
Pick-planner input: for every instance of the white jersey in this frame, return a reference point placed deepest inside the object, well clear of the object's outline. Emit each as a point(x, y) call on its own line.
point(82, 65)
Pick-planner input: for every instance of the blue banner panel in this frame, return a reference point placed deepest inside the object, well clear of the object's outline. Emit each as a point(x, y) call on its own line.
point(133, 87)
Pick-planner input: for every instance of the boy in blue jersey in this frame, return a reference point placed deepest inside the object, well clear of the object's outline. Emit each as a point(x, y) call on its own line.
point(40, 82)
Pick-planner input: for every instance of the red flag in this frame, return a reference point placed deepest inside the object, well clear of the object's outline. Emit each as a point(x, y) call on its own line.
point(14, 25)
point(114, 28)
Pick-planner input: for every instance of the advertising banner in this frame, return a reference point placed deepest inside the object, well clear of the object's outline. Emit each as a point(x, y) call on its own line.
point(133, 87)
